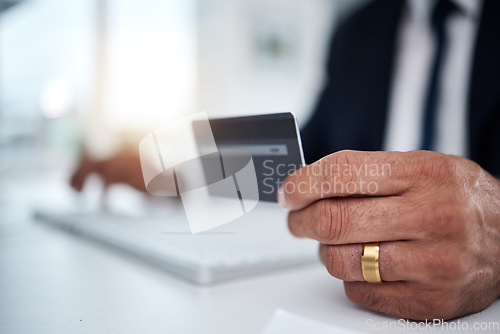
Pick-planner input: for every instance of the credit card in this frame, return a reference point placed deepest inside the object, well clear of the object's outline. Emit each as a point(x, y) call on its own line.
point(273, 141)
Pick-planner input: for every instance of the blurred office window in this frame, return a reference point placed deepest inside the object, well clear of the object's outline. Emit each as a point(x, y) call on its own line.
point(93, 71)
point(150, 62)
point(88, 70)
point(45, 49)
point(145, 70)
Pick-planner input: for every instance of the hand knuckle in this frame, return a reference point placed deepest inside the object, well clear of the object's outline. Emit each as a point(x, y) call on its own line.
point(340, 157)
point(444, 166)
point(448, 219)
point(332, 216)
point(435, 166)
point(445, 266)
point(333, 167)
point(440, 167)
point(323, 221)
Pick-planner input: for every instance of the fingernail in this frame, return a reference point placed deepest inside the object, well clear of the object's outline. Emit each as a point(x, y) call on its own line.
point(281, 197)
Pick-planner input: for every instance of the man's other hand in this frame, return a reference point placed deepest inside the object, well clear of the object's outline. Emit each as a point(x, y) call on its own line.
point(124, 167)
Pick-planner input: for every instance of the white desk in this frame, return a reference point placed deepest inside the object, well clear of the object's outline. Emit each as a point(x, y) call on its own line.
point(53, 282)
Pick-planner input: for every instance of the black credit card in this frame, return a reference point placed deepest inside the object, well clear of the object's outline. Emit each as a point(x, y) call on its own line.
point(273, 140)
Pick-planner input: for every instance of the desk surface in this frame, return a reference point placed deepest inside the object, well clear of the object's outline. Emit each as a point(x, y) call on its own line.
point(53, 282)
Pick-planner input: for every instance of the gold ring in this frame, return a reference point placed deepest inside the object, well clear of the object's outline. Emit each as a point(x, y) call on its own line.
point(369, 262)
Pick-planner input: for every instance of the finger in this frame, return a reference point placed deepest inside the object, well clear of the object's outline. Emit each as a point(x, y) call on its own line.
point(396, 261)
point(358, 220)
point(349, 173)
point(404, 300)
point(85, 168)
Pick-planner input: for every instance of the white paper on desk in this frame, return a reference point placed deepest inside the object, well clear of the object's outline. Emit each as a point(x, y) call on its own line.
point(284, 322)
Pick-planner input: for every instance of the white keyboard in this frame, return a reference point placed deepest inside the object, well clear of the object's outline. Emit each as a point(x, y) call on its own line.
point(203, 258)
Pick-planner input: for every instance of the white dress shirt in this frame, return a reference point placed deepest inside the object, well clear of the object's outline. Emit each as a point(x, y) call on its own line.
point(415, 54)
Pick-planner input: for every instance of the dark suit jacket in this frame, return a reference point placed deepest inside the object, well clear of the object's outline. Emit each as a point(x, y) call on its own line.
point(352, 110)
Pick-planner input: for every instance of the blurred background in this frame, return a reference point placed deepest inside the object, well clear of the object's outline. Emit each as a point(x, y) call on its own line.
point(99, 74)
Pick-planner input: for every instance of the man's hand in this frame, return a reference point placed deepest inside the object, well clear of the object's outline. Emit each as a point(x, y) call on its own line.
point(124, 167)
point(437, 218)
